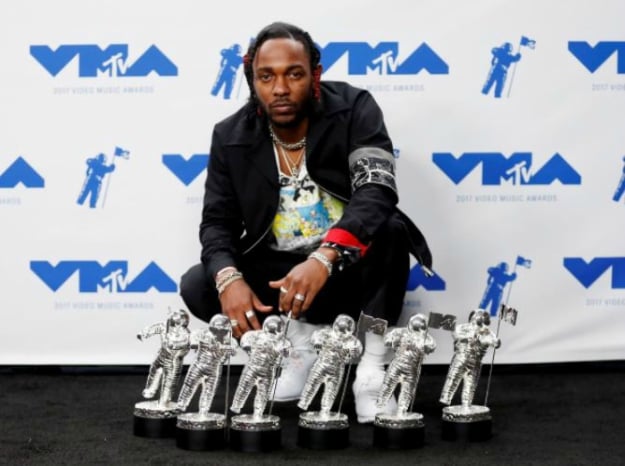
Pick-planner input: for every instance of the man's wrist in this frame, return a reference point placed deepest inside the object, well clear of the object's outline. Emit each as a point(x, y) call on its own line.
point(323, 259)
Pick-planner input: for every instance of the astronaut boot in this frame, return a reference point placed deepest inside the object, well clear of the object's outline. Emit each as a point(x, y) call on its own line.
point(296, 367)
point(369, 378)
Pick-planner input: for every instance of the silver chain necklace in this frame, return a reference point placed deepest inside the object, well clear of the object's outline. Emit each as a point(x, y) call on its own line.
point(287, 145)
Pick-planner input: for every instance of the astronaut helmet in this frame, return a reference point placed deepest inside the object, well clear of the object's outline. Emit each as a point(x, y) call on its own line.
point(178, 318)
point(480, 317)
point(417, 322)
point(344, 324)
point(219, 323)
point(273, 325)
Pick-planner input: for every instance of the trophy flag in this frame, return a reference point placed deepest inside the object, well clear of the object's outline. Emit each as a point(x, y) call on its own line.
point(508, 314)
point(446, 321)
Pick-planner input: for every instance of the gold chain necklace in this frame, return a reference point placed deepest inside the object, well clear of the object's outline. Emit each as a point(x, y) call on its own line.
point(293, 165)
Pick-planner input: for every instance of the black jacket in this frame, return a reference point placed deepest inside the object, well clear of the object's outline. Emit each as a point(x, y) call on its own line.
point(242, 190)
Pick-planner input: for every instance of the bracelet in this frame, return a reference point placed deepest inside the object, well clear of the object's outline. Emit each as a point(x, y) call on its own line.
point(227, 280)
point(323, 259)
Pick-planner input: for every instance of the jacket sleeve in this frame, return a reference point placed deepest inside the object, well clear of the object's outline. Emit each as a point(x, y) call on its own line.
point(372, 174)
point(221, 226)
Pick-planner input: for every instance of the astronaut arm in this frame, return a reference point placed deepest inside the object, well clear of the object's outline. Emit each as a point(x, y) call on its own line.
point(151, 330)
point(430, 345)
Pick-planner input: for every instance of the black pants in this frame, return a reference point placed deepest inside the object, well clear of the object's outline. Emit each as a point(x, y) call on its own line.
point(375, 285)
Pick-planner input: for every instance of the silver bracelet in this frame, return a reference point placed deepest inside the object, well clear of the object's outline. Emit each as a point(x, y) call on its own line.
point(227, 280)
point(323, 259)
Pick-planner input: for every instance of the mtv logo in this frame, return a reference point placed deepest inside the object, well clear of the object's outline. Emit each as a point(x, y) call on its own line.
point(588, 273)
point(186, 170)
point(418, 277)
point(497, 168)
point(111, 61)
point(111, 277)
point(592, 57)
point(21, 172)
point(363, 58)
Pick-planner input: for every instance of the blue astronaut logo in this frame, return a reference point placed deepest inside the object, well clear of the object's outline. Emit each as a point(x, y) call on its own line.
point(186, 170)
point(503, 57)
point(497, 169)
point(588, 272)
point(21, 172)
point(111, 277)
point(593, 57)
point(620, 187)
point(111, 61)
point(99, 169)
point(382, 59)
point(231, 61)
point(418, 277)
point(498, 279)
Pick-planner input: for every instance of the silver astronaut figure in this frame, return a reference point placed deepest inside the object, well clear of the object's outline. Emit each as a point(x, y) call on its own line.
point(214, 345)
point(411, 344)
point(165, 371)
point(266, 349)
point(471, 342)
point(336, 346)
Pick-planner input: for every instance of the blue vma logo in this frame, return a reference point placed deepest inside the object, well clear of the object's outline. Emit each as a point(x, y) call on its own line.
point(502, 59)
point(382, 59)
point(229, 66)
point(20, 172)
point(186, 170)
point(418, 277)
point(111, 277)
point(497, 168)
point(588, 273)
point(593, 57)
point(111, 61)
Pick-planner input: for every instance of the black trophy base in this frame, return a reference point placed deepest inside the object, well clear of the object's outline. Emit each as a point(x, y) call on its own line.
point(154, 428)
point(467, 423)
point(255, 441)
point(201, 440)
point(478, 431)
point(201, 431)
point(398, 438)
point(322, 430)
point(322, 439)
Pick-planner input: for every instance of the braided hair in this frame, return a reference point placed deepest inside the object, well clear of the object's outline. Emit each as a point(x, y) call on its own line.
point(280, 30)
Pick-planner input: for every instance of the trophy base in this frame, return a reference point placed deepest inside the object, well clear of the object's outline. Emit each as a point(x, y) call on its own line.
point(154, 420)
point(399, 432)
point(468, 423)
point(320, 431)
point(255, 434)
point(201, 432)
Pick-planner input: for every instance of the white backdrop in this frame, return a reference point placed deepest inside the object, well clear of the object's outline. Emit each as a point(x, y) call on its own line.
point(528, 179)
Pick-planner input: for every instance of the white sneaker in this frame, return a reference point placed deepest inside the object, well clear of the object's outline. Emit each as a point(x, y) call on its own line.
point(366, 387)
point(294, 374)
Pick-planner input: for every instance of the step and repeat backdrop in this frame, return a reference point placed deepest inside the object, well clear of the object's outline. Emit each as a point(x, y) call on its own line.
point(507, 119)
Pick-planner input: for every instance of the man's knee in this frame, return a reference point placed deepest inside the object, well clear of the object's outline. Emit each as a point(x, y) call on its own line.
point(198, 293)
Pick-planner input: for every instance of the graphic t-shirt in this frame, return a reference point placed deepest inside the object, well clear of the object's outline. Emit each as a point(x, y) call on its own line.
point(305, 213)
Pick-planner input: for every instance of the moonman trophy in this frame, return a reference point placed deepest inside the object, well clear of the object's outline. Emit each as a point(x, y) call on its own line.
point(403, 429)
point(157, 418)
point(205, 430)
point(259, 432)
point(471, 342)
point(336, 346)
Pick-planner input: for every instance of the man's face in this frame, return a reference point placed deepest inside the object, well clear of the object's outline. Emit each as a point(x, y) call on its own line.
point(283, 81)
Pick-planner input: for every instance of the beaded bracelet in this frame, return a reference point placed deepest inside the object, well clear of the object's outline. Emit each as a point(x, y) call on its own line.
point(323, 259)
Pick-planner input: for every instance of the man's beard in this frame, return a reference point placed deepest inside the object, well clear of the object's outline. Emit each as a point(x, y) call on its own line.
point(304, 112)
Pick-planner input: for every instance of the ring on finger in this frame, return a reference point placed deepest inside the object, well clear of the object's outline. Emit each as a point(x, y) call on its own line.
point(284, 290)
point(249, 314)
point(299, 297)
point(234, 322)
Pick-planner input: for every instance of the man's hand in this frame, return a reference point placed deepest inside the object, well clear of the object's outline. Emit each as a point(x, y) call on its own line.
point(300, 286)
point(240, 304)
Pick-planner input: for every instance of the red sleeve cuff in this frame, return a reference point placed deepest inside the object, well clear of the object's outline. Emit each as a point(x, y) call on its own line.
point(345, 238)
